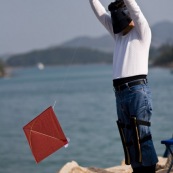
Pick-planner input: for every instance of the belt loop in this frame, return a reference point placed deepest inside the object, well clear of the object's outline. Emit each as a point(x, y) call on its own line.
point(145, 81)
point(127, 84)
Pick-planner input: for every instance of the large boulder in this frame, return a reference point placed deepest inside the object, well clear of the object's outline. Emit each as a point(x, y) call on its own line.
point(73, 167)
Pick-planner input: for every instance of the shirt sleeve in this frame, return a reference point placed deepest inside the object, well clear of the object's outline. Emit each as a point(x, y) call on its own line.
point(102, 15)
point(138, 18)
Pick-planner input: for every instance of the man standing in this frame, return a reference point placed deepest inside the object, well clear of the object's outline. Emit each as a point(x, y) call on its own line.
point(131, 32)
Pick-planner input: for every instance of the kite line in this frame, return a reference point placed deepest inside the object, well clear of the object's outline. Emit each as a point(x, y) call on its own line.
point(72, 60)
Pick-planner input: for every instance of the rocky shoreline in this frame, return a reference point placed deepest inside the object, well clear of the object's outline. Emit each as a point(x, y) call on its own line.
point(74, 167)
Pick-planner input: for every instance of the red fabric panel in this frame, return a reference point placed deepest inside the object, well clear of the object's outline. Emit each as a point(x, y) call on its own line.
point(44, 135)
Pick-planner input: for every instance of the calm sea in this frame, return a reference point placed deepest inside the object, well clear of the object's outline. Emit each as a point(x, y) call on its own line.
point(85, 107)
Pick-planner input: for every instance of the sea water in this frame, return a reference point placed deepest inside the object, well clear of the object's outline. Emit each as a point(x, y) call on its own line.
point(85, 107)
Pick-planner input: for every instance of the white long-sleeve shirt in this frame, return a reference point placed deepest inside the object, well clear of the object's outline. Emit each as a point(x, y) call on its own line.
point(131, 51)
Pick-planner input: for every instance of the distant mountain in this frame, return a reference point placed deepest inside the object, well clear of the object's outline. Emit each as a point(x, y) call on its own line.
point(3, 57)
point(103, 43)
point(161, 34)
point(59, 56)
point(84, 50)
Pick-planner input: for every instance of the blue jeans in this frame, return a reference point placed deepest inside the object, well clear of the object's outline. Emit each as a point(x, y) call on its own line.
point(136, 101)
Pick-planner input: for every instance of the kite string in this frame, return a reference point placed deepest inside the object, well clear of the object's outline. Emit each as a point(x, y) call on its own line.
point(65, 78)
point(54, 104)
point(68, 67)
point(66, 73)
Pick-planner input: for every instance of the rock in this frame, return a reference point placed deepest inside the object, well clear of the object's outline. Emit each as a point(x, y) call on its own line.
point(161, 164)
point(98, 170)
point(121, 169)
point(73, 167)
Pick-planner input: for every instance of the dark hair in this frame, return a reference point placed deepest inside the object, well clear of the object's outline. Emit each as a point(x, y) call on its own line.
point(119, 15)
point(116, 5)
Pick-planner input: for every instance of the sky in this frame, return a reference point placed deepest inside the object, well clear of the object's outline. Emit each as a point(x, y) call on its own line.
point(27, 25)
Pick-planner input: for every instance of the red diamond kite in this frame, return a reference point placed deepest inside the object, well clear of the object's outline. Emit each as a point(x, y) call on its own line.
point(44, 135)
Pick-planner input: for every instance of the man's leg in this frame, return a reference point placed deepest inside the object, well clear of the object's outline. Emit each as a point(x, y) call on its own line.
point(145, 169)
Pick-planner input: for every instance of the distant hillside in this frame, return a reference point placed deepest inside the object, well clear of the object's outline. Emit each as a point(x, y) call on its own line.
point(103, 43)
point(161, 34)
point(84, 50)
point(165, 57)
point(60, 56)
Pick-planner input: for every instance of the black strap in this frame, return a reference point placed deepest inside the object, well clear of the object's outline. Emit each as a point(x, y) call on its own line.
point(138, 153)
point(129, 143)
point(123, 125)
point(125, 147)
point(139, 122)
point(144, 123)
point(146, 138)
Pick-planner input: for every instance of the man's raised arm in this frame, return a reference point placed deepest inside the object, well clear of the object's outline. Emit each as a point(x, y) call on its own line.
point(102, 15)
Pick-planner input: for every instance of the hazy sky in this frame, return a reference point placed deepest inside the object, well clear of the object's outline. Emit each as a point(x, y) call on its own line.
point(36, 24)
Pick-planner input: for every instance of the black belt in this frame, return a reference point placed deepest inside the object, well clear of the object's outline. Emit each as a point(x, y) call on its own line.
point(130, 84)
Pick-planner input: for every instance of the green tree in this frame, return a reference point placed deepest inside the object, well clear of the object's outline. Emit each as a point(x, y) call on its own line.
point(2, 68)
point(165, 57)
